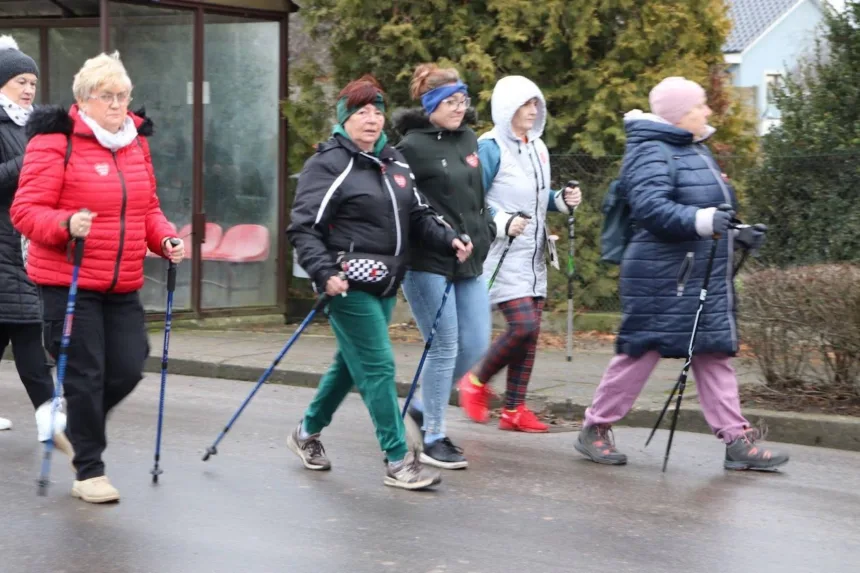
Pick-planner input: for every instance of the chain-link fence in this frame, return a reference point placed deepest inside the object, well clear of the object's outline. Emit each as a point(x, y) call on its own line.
point(829, 182)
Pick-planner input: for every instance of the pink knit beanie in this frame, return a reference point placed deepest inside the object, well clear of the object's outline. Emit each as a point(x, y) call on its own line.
point(674, 97)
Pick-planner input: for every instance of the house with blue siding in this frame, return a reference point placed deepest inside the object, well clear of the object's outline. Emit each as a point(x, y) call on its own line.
point(768, 38)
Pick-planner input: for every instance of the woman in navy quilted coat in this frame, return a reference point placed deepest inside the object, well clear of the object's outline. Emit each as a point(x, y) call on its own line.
point(673, 187)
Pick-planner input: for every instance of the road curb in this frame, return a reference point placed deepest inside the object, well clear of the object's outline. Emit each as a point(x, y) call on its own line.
point(821, 430)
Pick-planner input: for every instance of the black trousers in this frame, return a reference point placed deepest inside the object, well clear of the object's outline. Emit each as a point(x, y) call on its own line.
point(107, 349)
point(30, 359)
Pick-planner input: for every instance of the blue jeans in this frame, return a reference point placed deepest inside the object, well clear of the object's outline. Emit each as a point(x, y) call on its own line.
point(462, 336)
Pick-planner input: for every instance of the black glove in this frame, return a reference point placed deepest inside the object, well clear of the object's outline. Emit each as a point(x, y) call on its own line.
point(722, 220)
point(750, 238)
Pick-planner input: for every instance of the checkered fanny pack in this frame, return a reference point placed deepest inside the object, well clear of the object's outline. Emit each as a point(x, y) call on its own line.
point(377, 274)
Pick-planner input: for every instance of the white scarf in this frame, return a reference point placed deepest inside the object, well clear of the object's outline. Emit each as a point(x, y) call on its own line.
point(113, 141)
point(16, 113)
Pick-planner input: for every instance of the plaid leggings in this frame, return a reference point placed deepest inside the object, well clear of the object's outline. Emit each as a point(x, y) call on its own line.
point(515, 348)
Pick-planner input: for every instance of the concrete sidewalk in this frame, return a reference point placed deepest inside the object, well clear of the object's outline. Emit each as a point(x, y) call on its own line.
point(244, 355)
point(559, 388)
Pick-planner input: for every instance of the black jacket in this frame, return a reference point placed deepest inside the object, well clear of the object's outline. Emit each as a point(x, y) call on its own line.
point(19, 299)
point(351, 201)
point(448, 173)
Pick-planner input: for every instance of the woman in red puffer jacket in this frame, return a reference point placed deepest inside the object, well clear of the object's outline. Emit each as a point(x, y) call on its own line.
point(88, 174)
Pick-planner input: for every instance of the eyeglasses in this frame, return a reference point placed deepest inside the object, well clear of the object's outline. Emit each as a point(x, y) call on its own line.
point(455, 104)
point(108, 98)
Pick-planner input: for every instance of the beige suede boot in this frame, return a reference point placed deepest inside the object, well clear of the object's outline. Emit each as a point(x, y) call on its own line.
point(95, 490)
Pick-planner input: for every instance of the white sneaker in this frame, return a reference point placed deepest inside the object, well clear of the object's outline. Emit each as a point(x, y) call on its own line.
point(43, 420)
point(5, 424)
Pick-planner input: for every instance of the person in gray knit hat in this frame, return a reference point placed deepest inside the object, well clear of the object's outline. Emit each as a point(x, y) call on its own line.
point(20, 309)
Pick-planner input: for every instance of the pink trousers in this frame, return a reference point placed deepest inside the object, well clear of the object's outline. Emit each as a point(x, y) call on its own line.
point(716, 384)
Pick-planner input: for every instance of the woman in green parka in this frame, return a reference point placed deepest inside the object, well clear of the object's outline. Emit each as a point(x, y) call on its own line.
point(442, 151)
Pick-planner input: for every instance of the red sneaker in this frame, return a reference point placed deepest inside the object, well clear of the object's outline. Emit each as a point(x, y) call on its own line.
point(522, 420)
point(474, 398)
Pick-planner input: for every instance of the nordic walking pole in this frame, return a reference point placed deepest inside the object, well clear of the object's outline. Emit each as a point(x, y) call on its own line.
point(466, 240)
point(62, 357)
point(505, 252)
point(681, 384)
point(321, 301)
point(571, 270)
point(168, 318)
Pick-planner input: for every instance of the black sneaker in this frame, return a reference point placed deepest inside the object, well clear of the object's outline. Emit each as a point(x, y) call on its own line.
point(311, 450)
point(744, 454)
point(410, 474)
point(597, 444)
point(444, 454)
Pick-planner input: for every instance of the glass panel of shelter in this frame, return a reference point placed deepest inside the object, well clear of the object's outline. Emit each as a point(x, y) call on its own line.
point(240, 161)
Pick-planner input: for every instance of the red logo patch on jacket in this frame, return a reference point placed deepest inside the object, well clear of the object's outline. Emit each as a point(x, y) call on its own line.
point(543, 157)
point(472, 159)
point(400, 180)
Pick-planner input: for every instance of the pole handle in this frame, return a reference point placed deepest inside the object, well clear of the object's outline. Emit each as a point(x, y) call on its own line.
point(324, 298)
point(171, 267)
point(571, 183)
point(725, 207)
point(79, 252)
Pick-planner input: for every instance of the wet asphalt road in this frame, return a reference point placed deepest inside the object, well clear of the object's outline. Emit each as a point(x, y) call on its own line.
point(528, 503)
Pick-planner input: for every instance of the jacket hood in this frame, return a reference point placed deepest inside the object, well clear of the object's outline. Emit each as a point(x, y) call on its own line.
point(510, 93)
point(412, 119)
point(55, 119)
point(641, 127)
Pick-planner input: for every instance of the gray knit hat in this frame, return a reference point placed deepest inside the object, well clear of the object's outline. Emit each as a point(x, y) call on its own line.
point(14, 62)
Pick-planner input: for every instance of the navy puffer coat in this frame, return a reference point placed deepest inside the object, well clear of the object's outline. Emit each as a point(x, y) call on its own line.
point(659, 292)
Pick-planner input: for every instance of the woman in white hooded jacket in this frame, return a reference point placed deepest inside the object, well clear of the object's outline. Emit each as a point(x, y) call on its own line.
point(516, 176)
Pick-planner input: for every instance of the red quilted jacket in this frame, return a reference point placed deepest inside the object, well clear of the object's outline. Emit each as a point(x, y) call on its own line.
point(118, 187)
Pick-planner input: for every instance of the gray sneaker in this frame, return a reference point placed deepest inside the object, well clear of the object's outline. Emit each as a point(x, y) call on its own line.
point(410, 473)
point(598, 444)
point(744, 454)
point(311, 450)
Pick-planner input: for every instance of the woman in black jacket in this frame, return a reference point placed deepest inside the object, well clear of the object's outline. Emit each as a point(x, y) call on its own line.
point(355, 211)
point(20, 310)
point(442, 150)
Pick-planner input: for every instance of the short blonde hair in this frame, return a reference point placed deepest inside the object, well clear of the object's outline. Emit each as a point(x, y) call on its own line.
point(103, 70)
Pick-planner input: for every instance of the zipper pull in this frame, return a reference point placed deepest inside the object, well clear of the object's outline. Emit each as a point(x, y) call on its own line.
point(684, 273)
point(439, 136)
point(445, 163)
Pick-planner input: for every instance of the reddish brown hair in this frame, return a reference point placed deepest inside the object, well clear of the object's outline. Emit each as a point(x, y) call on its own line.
point(429, 77)
point(360, 92)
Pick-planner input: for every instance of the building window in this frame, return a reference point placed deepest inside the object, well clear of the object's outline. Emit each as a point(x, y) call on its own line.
point(774, 83)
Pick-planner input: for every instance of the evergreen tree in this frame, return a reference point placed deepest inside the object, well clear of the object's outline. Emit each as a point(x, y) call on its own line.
point(594, 59)
point(806, 188)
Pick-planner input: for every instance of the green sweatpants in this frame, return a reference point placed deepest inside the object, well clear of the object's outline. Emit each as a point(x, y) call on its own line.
point(364, 358)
